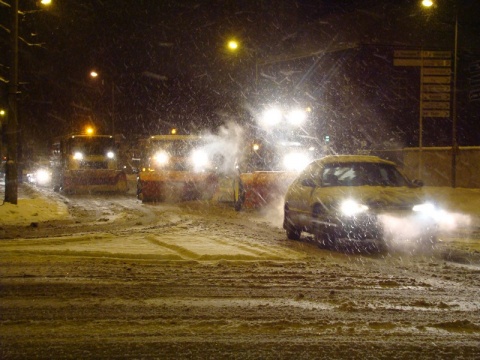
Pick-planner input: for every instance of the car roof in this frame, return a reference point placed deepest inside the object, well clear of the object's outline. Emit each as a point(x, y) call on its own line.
point(335, 159)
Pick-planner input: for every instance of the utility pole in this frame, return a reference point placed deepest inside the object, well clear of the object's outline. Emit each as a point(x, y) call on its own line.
point(11, 168)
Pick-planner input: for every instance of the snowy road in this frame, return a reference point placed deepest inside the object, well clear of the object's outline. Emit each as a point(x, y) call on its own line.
point(121, 279)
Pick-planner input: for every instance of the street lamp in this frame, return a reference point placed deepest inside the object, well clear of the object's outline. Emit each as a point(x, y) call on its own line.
point(94, 74)
point(428, 4)
point(232, 45)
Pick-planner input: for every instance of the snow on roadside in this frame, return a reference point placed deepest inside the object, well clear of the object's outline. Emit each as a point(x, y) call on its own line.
point(31, 207)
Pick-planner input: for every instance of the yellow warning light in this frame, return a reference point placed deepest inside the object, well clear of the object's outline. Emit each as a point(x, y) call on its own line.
point(173, 131)
point(89, 130)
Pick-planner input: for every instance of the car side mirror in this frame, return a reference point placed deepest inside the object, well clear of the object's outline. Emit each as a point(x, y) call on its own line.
point(417, 183)
point(309, 182)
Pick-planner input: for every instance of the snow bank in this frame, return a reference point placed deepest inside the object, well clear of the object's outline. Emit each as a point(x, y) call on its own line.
point(31, 207)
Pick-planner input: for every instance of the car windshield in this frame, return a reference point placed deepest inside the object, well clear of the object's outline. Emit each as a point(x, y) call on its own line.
point(362, 174)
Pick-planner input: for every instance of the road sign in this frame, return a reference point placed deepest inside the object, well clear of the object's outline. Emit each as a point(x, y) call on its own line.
point(444, 63)
point(436, 113)
point(436, 79)
point(436, 96)
point(436, 71)
point(436, 105)
point(436, 88)
point(437, 54)
point(426, 62)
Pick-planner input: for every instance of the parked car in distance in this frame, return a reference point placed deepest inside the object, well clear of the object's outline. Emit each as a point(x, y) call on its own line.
point(356, 199)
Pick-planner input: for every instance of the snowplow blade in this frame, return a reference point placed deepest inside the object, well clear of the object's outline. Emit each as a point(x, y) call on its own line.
point(263, 187)
point(175, 186)
point(95, 180)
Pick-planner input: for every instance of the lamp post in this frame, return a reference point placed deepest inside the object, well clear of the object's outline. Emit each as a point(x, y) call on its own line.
point(454, 106)
point(94, 74)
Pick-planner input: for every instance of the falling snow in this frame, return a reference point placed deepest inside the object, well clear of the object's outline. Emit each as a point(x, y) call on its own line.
point(107, 276)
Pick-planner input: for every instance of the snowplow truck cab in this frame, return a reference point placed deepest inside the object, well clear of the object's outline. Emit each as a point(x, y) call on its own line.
point(86, 164)
point(175, 168)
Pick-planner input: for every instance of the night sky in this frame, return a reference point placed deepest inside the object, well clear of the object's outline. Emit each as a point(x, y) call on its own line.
point(164, 64)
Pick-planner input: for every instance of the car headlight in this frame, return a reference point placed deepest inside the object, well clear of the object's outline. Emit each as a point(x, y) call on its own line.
point(78, 155)
point(425, 208)
point(110, 155)
point(295, 161)
point(161, 158)
point(199, 159)
point(352, 208)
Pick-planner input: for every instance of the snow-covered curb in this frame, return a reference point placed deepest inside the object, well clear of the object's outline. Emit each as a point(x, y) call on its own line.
point(32, 207)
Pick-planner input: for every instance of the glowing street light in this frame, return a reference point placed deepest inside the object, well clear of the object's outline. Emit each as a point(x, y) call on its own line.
point(427, 3)
point(232, 45)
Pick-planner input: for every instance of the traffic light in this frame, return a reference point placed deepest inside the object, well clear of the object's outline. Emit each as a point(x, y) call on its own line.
point(327, 138)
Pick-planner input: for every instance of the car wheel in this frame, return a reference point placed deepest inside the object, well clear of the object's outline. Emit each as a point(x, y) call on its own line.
point(323, 237)
point(293, 233)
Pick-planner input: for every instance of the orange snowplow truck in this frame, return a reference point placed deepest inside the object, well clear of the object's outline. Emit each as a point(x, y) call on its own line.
point(85, 164)
point(270, 169)
point(175, 167)
point(281, 149)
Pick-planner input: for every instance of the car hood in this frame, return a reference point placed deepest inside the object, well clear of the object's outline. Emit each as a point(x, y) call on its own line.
point(375, 197)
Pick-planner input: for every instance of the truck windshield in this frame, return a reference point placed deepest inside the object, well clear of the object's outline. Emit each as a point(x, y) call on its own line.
point(177, 148)
point(91, 145)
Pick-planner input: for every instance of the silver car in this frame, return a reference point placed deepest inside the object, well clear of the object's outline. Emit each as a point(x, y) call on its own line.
point(358, 198)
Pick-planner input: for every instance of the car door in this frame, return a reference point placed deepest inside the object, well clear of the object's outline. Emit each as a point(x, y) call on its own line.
point(301, 192)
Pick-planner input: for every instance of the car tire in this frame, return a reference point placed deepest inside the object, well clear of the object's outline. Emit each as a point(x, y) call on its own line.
point(324, 238)
point(293, 233)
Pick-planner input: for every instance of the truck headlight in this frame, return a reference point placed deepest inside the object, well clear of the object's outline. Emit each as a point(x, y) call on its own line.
point(78, 155)
point(161, 158)
point(199, 159)
point(295, 161)
point(296, 117)
point(352, 208)
point(42, 176)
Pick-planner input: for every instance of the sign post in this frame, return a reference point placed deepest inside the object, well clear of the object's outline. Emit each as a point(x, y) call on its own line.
point(435, 89)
